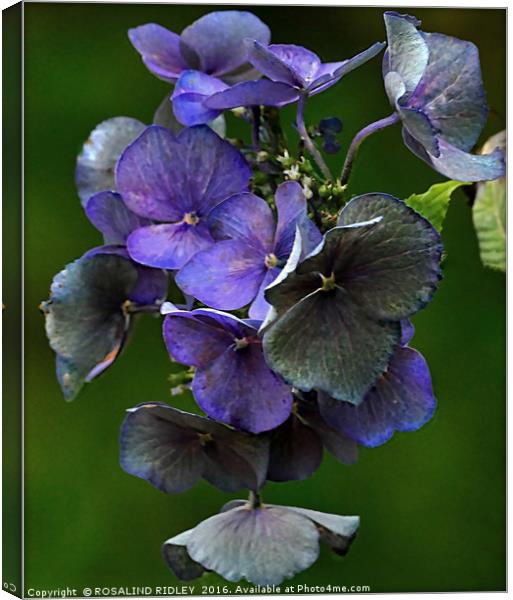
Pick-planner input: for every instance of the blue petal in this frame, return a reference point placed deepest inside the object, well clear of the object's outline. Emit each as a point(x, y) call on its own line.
point(190, 93)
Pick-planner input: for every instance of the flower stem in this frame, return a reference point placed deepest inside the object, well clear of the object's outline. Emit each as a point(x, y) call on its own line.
point(132, 308)
point(301, 127)
point(358, 139)
point(255, 500)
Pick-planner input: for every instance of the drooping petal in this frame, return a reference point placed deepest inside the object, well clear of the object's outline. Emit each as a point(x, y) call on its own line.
point(173, 450)
point(451, 92)
point(296, 451)
point(254, 93)
point(392, 269)
point(227, 275)
point(246, 218)
point(160, 50)
point(110, 215)
point(95, 164)
point(217, 39)
point(168, 246)
point(85, 321)
point(407, 53)
point(263, 546)
point(401, 400)
point(420, 127)
point(326, 342)
point(239, 388)
point(178, 560)
point(459, 165)
point(191, 91)
point(292, 212)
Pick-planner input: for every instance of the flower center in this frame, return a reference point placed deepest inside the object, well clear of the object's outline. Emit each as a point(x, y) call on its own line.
point(270, 260)
point(241, 343)
point(328, 283)
point(205, 438)
point(191, 218)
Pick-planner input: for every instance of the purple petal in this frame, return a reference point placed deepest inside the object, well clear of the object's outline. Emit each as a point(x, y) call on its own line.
point(226, 276)
point(191, 90)
point(420, 127)
point(100, 153)
point(168, 246)
point(407, 331)
point(260, 307)
point(292, 212)
point(208, 169)
point(146, 176)
point(252, 93)
point(109, 214)
point(451, 92)
point(195, 341)
point(246, 218)
point(304, 63)
point(217, 39)
point(401, 400)
point(238, 388)
point(270, 65)
point(160, 50)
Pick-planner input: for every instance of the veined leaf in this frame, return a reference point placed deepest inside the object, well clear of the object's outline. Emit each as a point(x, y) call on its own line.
point(489, 214)
point(433, 204)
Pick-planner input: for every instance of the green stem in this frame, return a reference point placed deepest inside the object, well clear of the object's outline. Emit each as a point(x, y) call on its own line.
point(307, 140)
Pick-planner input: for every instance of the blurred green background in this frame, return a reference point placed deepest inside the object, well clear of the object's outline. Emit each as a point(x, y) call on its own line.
point(432, 503)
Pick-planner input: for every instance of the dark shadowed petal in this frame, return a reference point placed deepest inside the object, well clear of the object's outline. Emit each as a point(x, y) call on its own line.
point(292, 212)
point(337, 531)
point(178, 560)
point(296, 451)
point(326, 341)
point(226, 276)
point(246, 218)
point(401, 400)
point(269, 64)
point(191, 90)
point(168, 246)
point(407, 53)
point(211, 168)
point(151, 285)
point(110, 215)
point(217, 39)
point(160, 50)
point(451, 92)
point(195, 341)
point(95, 164)
point(421, 128)
point(146, 176)
point(264, 546)
point(165, 117)
point(392, 269)
point(239, 388)
point(85, 322)
point(260, 306)
point(173, 450)
point(253, 93)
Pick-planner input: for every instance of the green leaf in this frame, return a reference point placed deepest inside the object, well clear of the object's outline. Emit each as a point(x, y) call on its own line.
point(433, 204)
point(489, 213)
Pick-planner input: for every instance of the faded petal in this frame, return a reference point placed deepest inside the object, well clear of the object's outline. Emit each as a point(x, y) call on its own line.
point(100, 153)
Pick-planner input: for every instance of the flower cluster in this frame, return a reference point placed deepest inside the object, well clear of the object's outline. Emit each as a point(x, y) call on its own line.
point(293, 318)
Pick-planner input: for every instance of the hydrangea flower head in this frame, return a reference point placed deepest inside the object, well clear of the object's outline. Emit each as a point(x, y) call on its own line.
point(176, 181)
point(250, 249)
point(232, 382)
point(213, 44)
point(434, 82)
